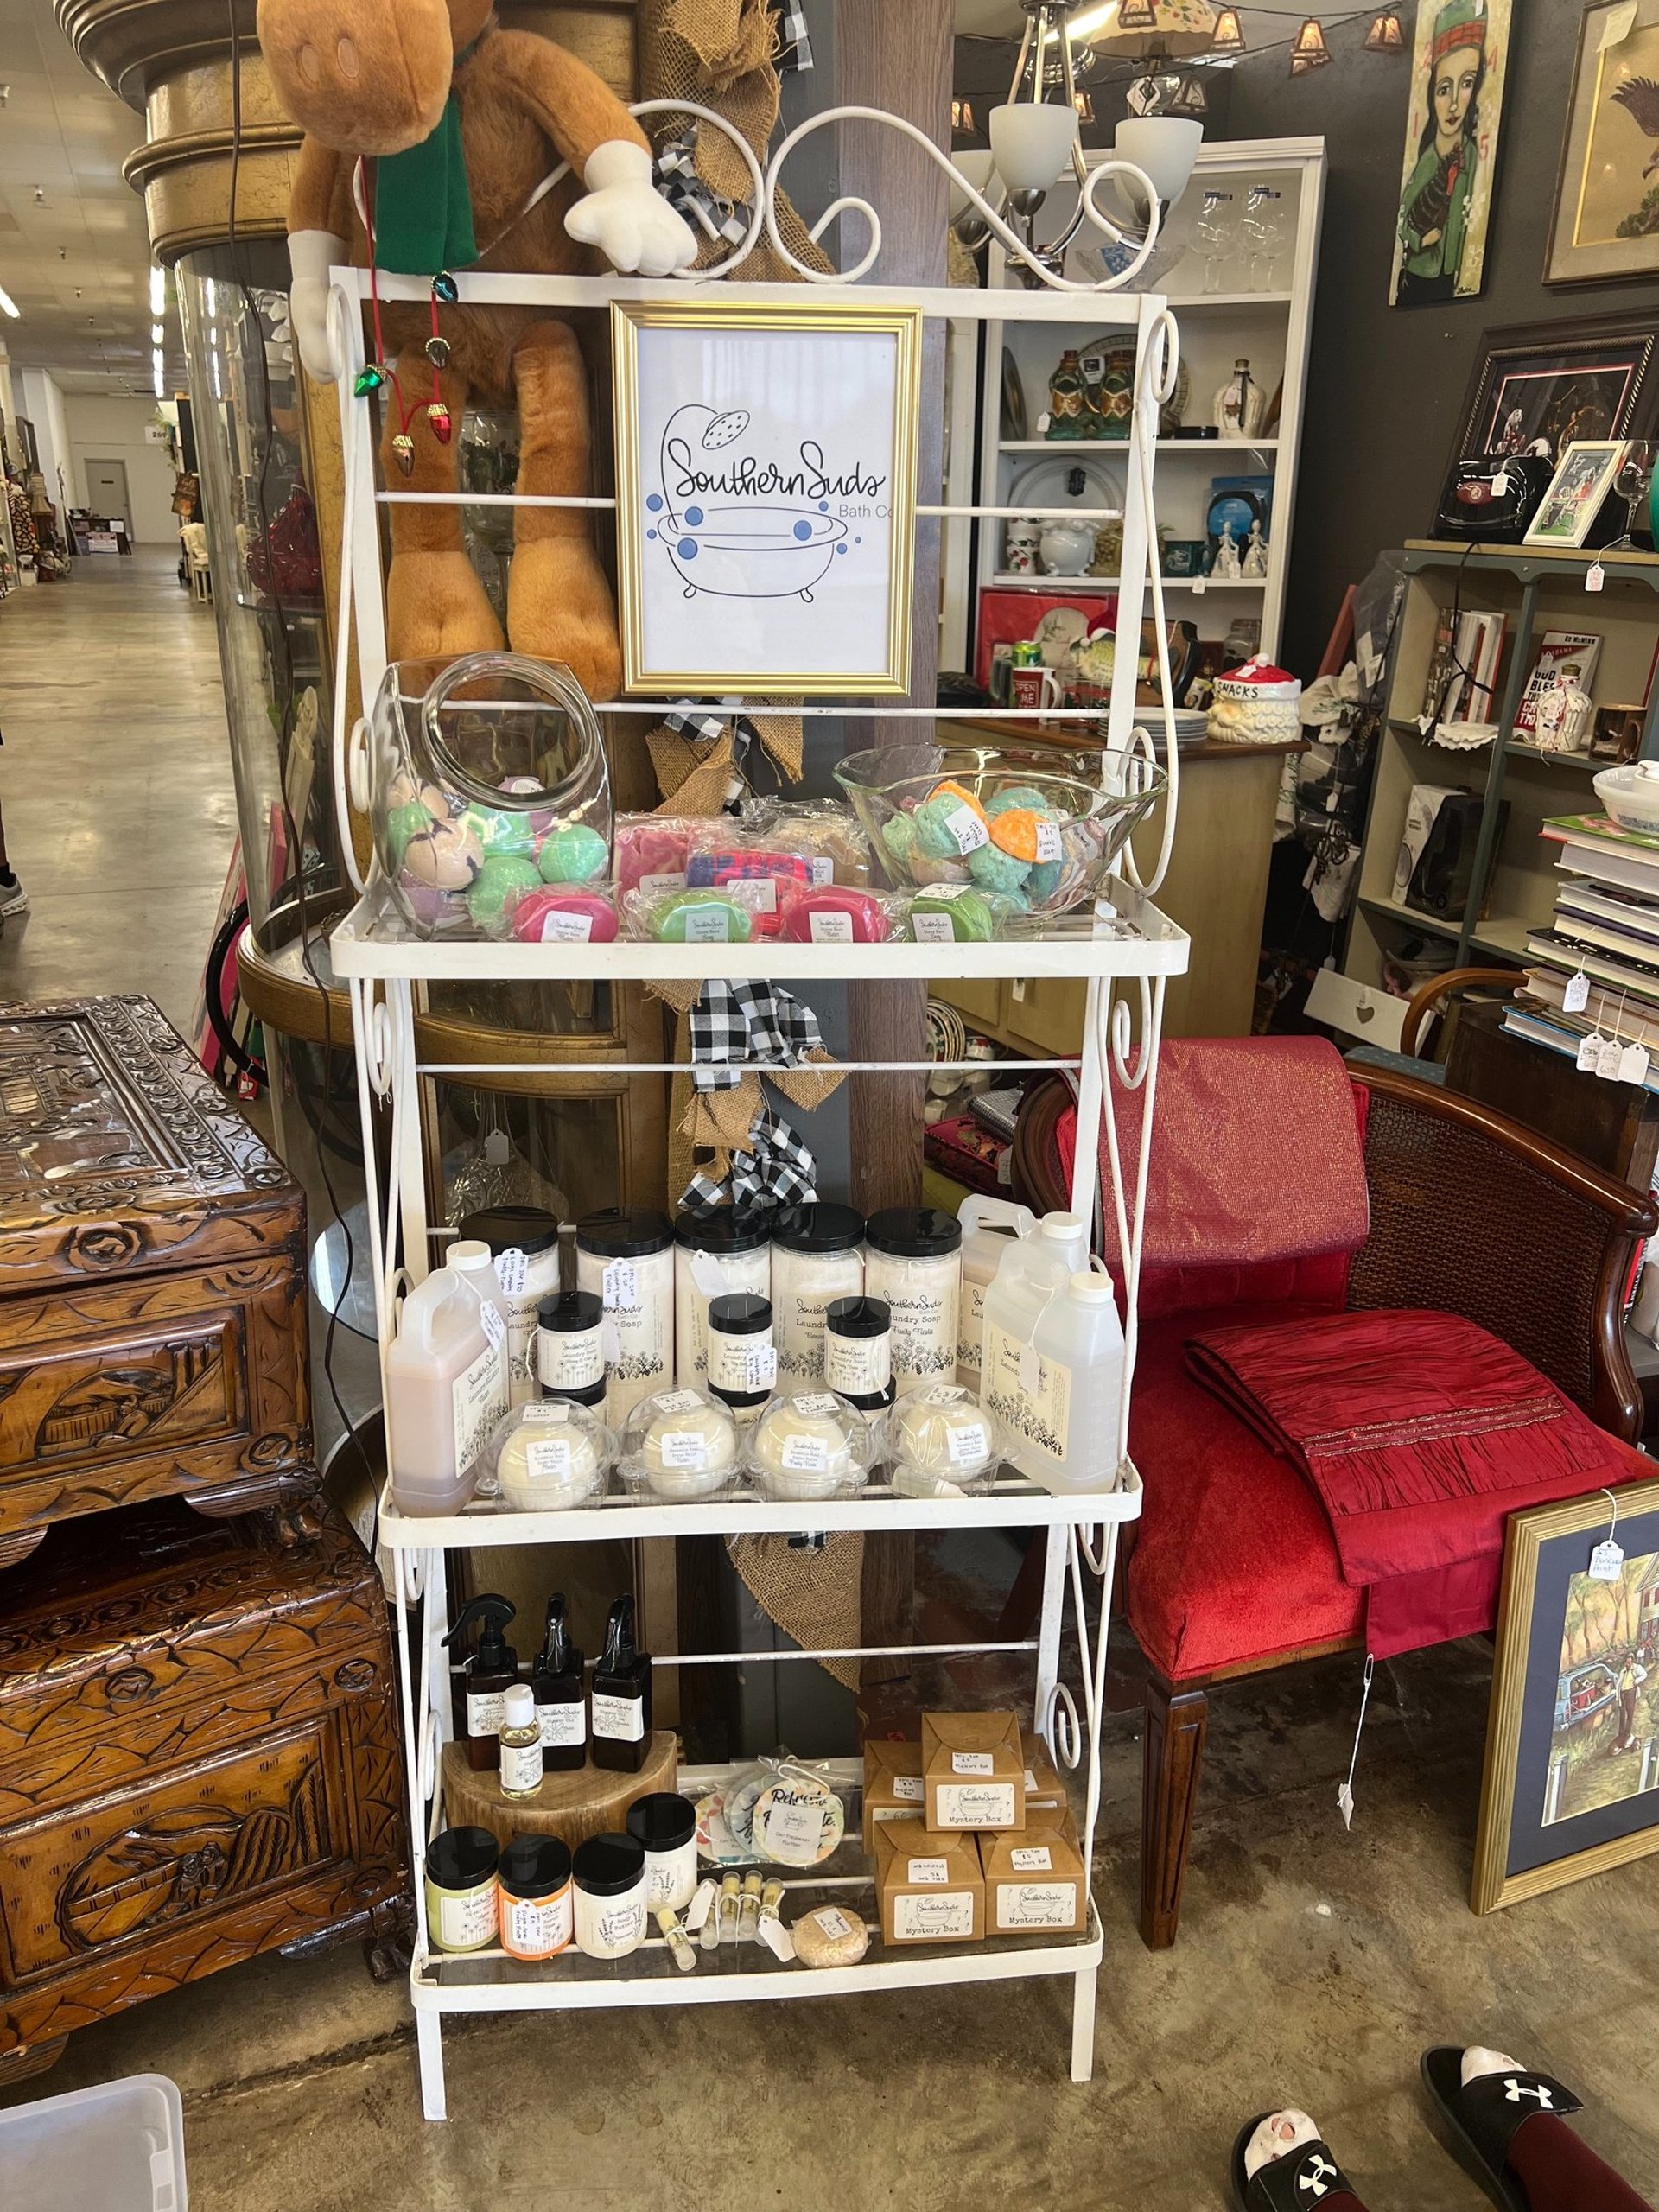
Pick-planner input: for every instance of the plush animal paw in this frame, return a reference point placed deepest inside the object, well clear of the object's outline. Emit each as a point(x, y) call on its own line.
point(627, 217)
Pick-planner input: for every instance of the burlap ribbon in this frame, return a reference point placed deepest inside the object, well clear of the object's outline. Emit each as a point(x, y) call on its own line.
point(813, 1594)
point(700, 754)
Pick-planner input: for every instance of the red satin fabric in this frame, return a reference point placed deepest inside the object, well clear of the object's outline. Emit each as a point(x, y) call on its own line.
point(1420, 1433)
point(1256, 1158)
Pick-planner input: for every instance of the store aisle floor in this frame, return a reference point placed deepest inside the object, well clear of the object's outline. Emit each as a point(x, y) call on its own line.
point(115, 780)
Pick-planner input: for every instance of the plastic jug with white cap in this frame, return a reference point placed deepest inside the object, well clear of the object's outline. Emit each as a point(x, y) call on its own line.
point(1076, 1397)
point(446, 1382)
point(1032, 1272)
point(988, 1225)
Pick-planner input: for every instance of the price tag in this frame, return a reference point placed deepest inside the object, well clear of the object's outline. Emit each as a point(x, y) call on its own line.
point(620, 1283)
point(709, 1274)
point(1609, 1055)
point(1606, 1562)
point(1034, 1859)
point(1633, 1063)
point(1594, 576)
point(1576, 996)
point(1048, 843)
point(702, 1904)
point(1345, 1805)
point(543, 1413)
point(1501, 484)
point(968, 830)
point(1031, 1370)
point(677, 1401)
point(1200, 585)
point(930, 1872)
point(493, 1327)
point(1425, 724)
point(972, 1763)
point(818, 1401)
point(760, 1371)
point(776, 1937)
point(1589, 1055)
point(511, 1269)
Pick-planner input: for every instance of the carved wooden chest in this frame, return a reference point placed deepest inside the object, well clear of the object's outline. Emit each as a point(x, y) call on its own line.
point(199, 1759)
point(152, 1279)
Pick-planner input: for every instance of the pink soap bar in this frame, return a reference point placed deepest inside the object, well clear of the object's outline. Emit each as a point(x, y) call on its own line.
point(564, 914)
point(647, 849)
point(834, 914)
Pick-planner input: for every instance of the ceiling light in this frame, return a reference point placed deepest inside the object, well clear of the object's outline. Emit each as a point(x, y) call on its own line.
point(158, 374)
point(1385, 36)
point(157, 332)
point(1177, 27)
point(1310, 51)
point(1229, 33)
point(158, 291)
point(9, 306)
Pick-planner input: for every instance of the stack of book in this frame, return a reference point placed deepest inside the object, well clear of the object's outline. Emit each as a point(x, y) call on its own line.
point(1606, 930)
point(1463, 679)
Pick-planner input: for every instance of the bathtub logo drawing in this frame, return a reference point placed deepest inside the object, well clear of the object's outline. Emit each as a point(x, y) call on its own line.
point(734, 526)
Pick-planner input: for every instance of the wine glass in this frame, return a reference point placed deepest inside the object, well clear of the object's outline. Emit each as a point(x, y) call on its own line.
point(1264, 231)
point(1215, 233)
point(1633, 481)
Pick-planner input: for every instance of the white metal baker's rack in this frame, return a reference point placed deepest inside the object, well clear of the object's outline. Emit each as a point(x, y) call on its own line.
point(1126, 974)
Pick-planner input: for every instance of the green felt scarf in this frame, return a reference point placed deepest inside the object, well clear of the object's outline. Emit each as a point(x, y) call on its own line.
point(423, 209)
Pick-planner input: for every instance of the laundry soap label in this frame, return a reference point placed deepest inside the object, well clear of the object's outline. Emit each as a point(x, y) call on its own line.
point(934, 1916)
point(970, 1325)
point(1032, 1396)
point(478, 1399)
point(619, 1720)
point(1036, 1904)
point(976, 1805)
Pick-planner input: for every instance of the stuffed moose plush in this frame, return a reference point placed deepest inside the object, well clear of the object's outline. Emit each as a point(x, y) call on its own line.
point(458, 123)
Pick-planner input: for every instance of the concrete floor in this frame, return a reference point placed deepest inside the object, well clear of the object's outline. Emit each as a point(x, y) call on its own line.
point(1313, 1965)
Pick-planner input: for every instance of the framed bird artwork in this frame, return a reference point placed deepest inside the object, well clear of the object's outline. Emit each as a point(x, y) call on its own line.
point(1606, 217)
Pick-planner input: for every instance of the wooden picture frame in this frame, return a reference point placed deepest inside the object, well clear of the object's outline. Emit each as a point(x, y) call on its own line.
point(1568, 511)
point(1537, 383)
point(1558, 1801)
point(1460, 71)
point(765, 476)
point(1605, 218)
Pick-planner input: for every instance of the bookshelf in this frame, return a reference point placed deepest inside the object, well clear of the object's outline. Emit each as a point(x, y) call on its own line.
point(1515, 878)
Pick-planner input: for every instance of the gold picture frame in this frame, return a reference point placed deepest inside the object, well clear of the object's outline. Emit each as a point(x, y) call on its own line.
point(1604, 199)
point(1560, 1799)
point(759, 447)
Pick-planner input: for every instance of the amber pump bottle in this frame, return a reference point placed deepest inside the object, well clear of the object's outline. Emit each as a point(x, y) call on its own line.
point(621, 1706)
point(486, 1678)
point(561, 1698)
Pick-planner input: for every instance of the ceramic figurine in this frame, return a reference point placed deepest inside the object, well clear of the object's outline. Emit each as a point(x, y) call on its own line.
point(1566, 716)
point(1225, 567)
point(1254, 561)
point(1019, 542)
point(1068, 547)
point(1067, 404)
point(1240, 403)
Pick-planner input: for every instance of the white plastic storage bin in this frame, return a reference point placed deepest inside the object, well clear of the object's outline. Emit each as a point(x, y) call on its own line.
point(118, 2147)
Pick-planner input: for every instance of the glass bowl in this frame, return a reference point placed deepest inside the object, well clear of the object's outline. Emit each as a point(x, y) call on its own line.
point(1008, 822)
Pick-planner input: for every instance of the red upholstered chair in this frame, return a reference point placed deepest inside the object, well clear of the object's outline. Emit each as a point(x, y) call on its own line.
point(1233, 1569)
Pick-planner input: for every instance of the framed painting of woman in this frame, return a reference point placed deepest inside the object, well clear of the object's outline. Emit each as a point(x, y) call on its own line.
point(1459, 68)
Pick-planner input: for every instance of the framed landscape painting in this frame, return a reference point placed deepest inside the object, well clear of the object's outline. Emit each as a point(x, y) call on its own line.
point(1572, 1782)
point(1606, 217)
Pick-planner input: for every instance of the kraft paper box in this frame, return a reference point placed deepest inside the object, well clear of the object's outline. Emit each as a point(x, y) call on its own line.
point(893, 1786)
point(973, 1770)
point(1045, 1798)
point(928, 1887)
point(1033, 1881)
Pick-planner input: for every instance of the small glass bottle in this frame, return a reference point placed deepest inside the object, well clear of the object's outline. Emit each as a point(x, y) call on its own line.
point(521, 1745)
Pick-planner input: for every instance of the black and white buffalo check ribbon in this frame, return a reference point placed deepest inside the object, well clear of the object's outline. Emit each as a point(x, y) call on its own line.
point(689, 194)
point(775, 1168)
point(794, 45)
point(705, 724)
point(740, 1029)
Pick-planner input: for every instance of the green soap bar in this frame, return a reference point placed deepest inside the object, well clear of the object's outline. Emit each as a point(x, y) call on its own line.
point(501, 883)
point(702, 917)
point(971, 918)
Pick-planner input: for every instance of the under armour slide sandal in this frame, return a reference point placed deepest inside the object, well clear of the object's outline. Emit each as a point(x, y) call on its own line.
point(1477, 2124)
point(1296, 2183)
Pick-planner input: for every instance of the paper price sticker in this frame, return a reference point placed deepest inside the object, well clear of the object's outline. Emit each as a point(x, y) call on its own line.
point(542, 1413)
point(1606, 1562)
point(1576, 996)
point(760, 1369)
point(493, 1327)
point(834, 1922)
point(818, 1402)
point(972, 1763)
point(932, 1872)
point(620, 1288)
point(511, 1268)
point(678, 1401)
point(943, 1393)
point(908, 1788)
point(1048, 841)
point(970, 832)
point(1034, 1859)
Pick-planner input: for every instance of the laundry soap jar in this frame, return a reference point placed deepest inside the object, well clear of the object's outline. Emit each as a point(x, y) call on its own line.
point(524, 1244)
point(625, 1254)
point(726, 1249)
point(816, 1258)
point(913, 1263)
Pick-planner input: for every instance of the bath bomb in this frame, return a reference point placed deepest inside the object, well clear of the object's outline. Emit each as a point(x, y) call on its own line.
point(496, 891)
point(946, 1431)
point(1043, 882)
point(1029, 833)
point(899, 835)
point(432, 909)
point(689, 1445)
point(949, 826)
point(1016, 797)
point(993, 870)
point(404, 823)
point(502, 833)
point(574, 854)
point(809, 1444)
point(549, 1456)
point(446, 856)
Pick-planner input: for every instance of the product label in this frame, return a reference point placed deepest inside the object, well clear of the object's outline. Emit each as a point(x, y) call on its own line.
point(511, 1266)
point(478, 1398)
point(932, 929)
point(831, 929)
point(666, 1876)
point(521, 1765)
point(858, 1367)
point(1048, 843)
point(562, 1725)
point(567, 929)
point(619, 1720)
point(621, 1287)
point(465, 1919)
point(975, 1805)
point(742, 1366)
point(834, 1922)
point(549, 1456)
point(935, 1872)
point(966, 827)
point(1032, 1859)
point(708, 925)
point(972, 1763)
point(493, 1327)
point(573, 1361)
point(937, 1917)
point(1036, 1904)
point(909, 1789)
point(765, 888)
point(485, 1711)
point(619, 1927)
point(534, 1928)
point(797, 1314)
point(806, 1455)
point(652, 884)
point(969, 1444)
point(1038, 1409)
point(823, 870)
point(684, 1448)
point(791, 1823)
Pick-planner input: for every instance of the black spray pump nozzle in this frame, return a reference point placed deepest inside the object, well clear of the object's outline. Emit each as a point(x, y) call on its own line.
point(618, 1636)
point(494, 1653)
point(555, 1645)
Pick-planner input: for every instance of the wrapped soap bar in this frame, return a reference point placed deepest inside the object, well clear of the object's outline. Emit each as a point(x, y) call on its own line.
point(830, 1935)
point(959, 913)
point(834, 914)
point(724, 916)
point(649, 851)
point(821, 827)
point(566, 914)
point(721, 852)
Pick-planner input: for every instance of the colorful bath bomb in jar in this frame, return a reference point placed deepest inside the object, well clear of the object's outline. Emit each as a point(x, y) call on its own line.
point(994, 870)
point(835, 914)
point(899, 837)
point(700, 917)
point(949, 825)
point(446, 855)
point(572, 853)
point(432, 909)
point(497, 890)
point(403, 822)
point(540, 818)
point(564, 914)
point(1028, 833)
point(502, 835)
point(1043, 882)
point(1016, 797)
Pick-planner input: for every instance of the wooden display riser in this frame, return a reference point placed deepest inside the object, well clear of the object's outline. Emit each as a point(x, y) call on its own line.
point(591, 1800)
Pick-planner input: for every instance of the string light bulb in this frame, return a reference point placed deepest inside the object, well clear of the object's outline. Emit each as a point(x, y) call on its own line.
point(1310, 51)
point(961, 116)
point(1385, 36)
point(1229, 36)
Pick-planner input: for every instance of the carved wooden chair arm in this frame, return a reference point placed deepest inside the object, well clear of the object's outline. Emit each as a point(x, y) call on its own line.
point(1478, 1216)
point(1424, 1001)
